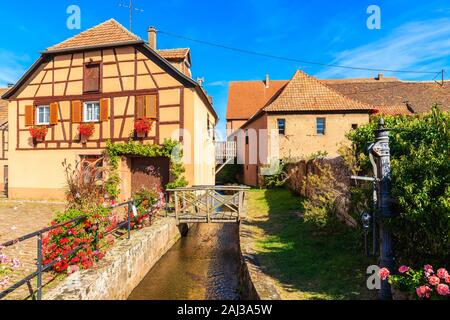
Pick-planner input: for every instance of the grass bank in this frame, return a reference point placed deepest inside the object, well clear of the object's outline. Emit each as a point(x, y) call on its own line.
point(305, 263)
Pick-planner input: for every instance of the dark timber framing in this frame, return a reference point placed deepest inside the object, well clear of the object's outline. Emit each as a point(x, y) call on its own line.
point(69, 141)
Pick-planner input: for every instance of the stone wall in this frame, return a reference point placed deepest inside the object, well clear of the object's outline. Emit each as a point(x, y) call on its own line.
point(298, 181)
point(123, 267)
point(254, 284)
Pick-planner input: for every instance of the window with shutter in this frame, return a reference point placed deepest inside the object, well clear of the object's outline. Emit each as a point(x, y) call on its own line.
point(76, 111)
point(104, 109)
point(29, 116)
point(146, 107)
point(150, 107)
point(53, 113)
point(140, 107)
point(91, 81)
point(42, 115)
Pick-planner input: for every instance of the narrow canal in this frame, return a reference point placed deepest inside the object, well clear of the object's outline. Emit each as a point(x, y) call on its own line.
point(204, 265)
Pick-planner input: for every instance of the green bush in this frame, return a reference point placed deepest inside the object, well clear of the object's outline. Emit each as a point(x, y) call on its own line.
point(420, 163)
point(278, 179)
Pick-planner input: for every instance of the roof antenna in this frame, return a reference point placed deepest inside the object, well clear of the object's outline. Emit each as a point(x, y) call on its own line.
point(130, 6)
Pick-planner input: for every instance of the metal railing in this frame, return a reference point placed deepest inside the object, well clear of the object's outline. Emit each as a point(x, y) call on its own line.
point(41, 268)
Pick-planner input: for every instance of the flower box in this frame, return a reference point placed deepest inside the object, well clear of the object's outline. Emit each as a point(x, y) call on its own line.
point(141, 134)
point(142, 127)
point(85, 131)
point(38, 133)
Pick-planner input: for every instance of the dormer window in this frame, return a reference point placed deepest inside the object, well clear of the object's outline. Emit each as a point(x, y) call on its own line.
point(91, 82)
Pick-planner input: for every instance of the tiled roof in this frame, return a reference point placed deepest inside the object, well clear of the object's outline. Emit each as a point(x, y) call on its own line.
point(106, 33)
point(3, 107)
point(401, 109)
point(245, 98)
point(306, 93)
point(169, 54)
point(420, 96)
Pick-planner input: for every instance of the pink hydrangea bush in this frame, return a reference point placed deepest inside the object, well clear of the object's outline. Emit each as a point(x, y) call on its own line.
point(7, 265)
point(423, 283)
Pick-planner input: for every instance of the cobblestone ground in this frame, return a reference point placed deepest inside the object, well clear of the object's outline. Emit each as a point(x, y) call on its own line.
point(18, 219)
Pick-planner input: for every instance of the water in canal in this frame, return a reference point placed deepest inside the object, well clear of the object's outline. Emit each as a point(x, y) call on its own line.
point(203, 265)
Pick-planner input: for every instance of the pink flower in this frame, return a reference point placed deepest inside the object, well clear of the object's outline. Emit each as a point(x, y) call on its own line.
point(15, 263)
point(433, 280)
point(442, 289)
point(3, 258)
point(447, 280)
point(428, 268)
point(73, 269)
point(423, 291)
point(4, 282)
point(403, 269)
point(442, 273)
point(384, 273)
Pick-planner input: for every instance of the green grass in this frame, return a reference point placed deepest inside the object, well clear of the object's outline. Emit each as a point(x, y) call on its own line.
point(305, 262)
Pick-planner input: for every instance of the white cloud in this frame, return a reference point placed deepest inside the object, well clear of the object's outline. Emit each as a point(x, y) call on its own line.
point(422, 45)
point(220, 83)
point(11, 66)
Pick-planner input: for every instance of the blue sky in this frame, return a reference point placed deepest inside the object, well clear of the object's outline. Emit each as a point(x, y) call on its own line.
point(414, 35)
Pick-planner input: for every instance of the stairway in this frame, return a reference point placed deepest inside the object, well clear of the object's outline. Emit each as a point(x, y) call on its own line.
point(226, 152)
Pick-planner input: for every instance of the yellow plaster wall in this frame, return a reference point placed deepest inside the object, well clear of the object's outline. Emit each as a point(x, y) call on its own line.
point(301, 138)
point(204, 148)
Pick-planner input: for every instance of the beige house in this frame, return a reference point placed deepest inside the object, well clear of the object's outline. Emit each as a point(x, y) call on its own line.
point(310, 115)
point(302, 117)
point(109, 77)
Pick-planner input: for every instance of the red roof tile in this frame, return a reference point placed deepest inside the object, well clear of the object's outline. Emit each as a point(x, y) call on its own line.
point(106, 33)
point(245, 98)
point(306, 93)
point(170, 54)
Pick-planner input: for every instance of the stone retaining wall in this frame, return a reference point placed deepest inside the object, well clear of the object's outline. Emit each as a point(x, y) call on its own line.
point(123, 267)
point(254, 284)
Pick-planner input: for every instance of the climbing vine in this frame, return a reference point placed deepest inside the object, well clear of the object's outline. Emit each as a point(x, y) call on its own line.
point(170, 149)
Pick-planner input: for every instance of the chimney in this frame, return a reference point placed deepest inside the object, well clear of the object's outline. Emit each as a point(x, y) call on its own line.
point(380, 76)
point(267, 81)
point(200, 81)
point(152, 37)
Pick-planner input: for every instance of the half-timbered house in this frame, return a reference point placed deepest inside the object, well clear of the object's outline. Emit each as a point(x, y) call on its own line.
point(109, 77)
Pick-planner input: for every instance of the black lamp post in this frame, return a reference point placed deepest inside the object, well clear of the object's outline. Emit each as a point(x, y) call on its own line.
point(381, 153)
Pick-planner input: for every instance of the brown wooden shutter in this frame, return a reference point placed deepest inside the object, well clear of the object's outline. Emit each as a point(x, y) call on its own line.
point(54, 113)
point(104, 109)
point(91, 81)
point(150, 107)
point(77, 111)
point(29, 116)
point(140, 107)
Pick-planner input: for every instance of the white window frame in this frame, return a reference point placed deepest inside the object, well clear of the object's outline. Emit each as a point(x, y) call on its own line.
point(37, 115)
point(85, 104)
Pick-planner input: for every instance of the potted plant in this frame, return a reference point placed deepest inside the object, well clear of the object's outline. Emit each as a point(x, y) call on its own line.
point(38, 133)
point(85, 130)
point(421, 284)
point(142, 127)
